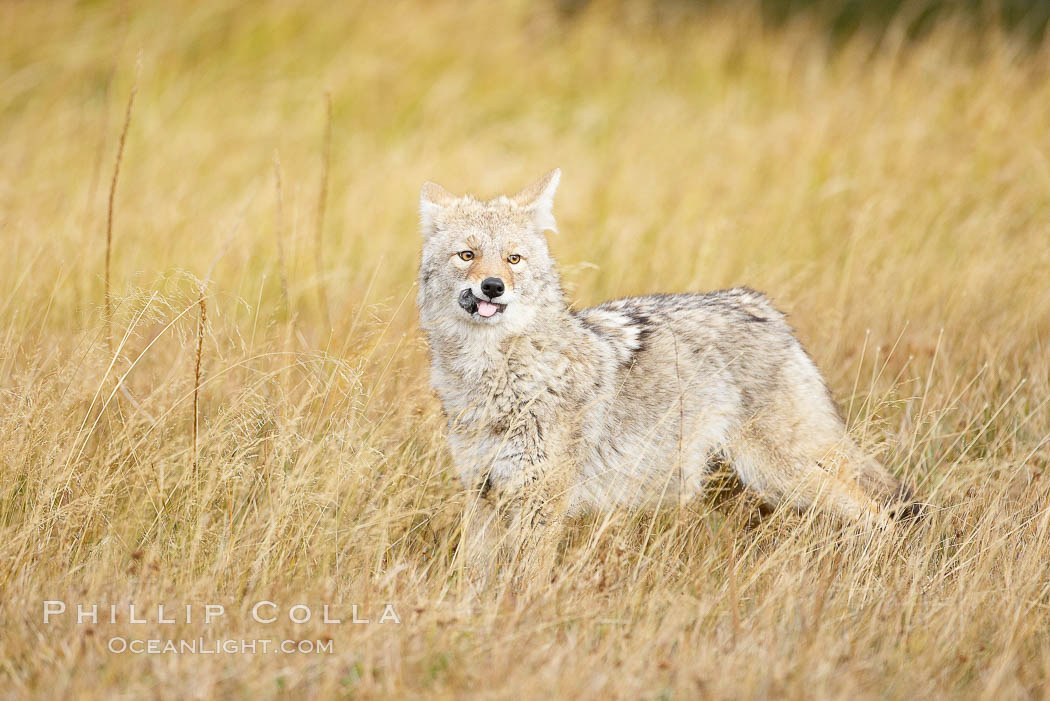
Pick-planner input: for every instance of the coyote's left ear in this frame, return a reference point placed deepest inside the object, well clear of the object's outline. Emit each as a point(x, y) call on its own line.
point(538, 199)
point(432, 199)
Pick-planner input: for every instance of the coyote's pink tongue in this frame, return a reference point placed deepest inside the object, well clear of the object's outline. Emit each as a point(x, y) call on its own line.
point(486, 309)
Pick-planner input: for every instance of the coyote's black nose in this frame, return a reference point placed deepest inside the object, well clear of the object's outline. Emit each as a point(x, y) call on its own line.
point(492, 286)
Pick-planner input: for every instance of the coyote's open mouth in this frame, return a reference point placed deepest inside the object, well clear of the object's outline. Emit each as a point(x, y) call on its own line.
point(481, 307)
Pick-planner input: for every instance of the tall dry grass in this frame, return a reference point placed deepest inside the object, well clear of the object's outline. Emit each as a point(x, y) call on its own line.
point(894, 198)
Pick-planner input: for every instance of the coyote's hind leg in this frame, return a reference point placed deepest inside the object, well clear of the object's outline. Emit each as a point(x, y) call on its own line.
point(877, 481)
point(784, 474)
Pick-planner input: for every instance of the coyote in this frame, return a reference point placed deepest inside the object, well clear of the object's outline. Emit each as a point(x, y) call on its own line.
point(553, 411)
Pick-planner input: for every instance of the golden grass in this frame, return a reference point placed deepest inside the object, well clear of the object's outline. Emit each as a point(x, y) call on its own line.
point(895, 199)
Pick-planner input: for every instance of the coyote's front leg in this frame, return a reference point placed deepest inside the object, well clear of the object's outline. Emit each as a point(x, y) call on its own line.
point(520, 479)
point(518, 521)
point(536, 516)
point(481, 541)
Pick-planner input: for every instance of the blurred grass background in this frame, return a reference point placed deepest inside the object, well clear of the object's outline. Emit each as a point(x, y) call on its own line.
point(882, 170)
point(840, 20)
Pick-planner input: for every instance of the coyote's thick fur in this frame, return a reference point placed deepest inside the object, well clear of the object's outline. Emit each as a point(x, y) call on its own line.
point(553, 411)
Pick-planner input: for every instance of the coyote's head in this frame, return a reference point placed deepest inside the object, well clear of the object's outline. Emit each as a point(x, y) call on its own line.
point(486, 264)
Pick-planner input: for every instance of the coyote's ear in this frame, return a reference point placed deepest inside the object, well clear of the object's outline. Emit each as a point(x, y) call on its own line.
point(538, 199)
point(432, 199)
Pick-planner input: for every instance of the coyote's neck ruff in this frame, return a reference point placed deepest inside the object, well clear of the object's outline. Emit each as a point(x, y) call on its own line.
point(629, 402)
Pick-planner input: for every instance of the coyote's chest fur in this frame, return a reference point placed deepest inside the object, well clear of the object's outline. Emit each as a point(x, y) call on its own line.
point(501, 399)
point(498, 386)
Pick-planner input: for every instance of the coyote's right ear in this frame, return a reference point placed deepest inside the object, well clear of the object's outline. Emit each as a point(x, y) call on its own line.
point(432, 199)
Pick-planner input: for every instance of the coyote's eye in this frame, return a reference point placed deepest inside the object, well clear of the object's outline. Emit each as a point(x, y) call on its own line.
point(466, 255)
point(513, 259)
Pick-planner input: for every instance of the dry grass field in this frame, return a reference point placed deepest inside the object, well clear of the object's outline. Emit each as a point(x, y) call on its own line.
point(256, 423)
